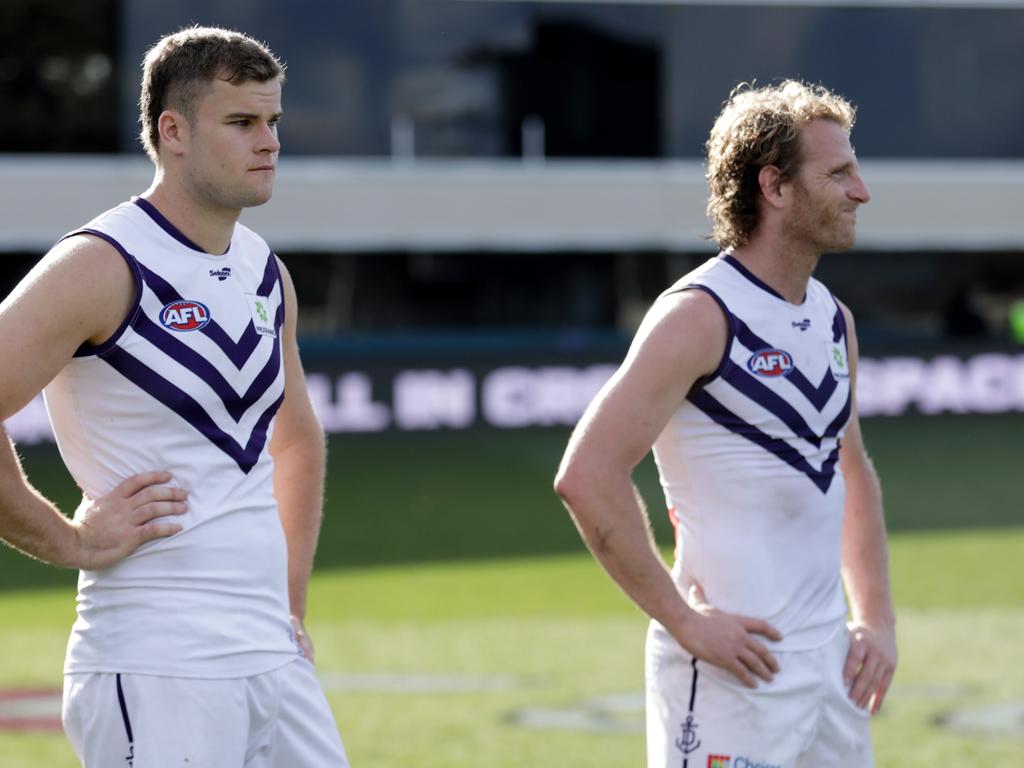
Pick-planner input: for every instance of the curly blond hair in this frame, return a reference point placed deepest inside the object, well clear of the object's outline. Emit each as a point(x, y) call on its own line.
point(759, 127)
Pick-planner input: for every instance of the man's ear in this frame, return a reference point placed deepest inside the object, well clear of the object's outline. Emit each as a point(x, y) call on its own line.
point(770, 179)
point(174, 131)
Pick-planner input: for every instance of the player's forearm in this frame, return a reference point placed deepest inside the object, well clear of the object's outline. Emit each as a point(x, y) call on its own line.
point(865, 557)
point(298, 486)
point(610, 517)
point(28, 522)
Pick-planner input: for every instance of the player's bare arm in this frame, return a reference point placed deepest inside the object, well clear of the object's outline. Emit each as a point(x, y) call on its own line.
point(80, 292)
point(681, 340)
point(299, 452)
point(865, 565)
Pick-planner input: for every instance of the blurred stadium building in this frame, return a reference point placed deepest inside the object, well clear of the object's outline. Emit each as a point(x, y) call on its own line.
point(478, 198)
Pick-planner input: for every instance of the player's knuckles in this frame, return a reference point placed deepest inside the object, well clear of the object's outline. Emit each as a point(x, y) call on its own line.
point(157, 531)
point(742, 675)
point(157, 509)
point(137, 482)
point(850, 669)
point(861, 692)
point(149, 494)
point(855, 659)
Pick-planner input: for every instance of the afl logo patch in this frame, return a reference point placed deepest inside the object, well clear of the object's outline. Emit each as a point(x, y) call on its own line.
point(770, 363)
point(184, 315)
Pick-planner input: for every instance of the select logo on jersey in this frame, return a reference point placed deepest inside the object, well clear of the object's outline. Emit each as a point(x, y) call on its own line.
point(184, 315)
point(718, 761)
point(770, 363)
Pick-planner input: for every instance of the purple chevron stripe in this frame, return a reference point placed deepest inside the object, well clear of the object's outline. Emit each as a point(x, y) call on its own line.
point(780, 448)
point(191, 411)
point(237, 352)
point(165, 224)
point(838, 325)
point(773, 403)
point(270, 276)
point(184, 354)
point(828, 467)
point(841, 418)
point(818, 396)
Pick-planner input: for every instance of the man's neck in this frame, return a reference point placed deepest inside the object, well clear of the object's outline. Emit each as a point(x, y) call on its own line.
point(784, 268)
point(209, 227)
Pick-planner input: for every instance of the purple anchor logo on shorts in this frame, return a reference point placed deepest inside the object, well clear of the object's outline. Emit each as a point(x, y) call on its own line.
point(688, 741)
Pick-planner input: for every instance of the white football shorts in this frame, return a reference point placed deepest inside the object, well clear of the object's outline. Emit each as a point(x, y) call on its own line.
point(700, 716)
point(280, 719)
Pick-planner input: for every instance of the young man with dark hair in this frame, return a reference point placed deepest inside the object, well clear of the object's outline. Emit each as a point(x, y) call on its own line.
point(164, 334)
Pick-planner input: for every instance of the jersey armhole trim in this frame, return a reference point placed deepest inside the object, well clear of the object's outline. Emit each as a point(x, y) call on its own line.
point(725, 360)
point(87, 349)
point(840, 324)
point(280, 286)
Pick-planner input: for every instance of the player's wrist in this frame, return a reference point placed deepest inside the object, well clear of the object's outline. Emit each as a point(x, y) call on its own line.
point(681, 623)
point(880, 620)
point(65, 548)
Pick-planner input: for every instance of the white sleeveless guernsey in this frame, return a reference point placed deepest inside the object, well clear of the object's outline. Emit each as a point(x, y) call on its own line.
point(749, 463)
point(190, 384)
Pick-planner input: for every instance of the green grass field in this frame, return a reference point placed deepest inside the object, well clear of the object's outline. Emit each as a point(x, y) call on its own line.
point(459, 623)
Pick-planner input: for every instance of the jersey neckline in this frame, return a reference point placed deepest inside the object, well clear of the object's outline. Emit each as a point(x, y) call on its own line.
point(164, 223)
point(738, 266)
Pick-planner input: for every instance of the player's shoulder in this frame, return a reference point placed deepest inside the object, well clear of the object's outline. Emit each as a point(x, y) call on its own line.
point(85, 258)
point(85, 279)
point(707, 273)
point(687, 327)
point(692, 299)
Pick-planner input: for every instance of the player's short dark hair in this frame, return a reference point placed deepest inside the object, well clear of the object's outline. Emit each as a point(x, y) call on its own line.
point(759, 127)
point(179, 68)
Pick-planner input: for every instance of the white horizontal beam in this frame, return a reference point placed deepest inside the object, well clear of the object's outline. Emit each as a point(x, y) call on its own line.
point(330, 204)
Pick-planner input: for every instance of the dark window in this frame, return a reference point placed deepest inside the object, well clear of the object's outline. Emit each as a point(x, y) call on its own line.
point(59, 67)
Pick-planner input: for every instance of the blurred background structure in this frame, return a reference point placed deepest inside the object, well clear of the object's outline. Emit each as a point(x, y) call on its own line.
point(474, 185)
point(478, 199)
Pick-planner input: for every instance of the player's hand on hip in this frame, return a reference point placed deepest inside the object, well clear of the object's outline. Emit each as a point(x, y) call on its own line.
point(730, 641)
point(870, 664)
point(302, 638)
point(110, 528)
